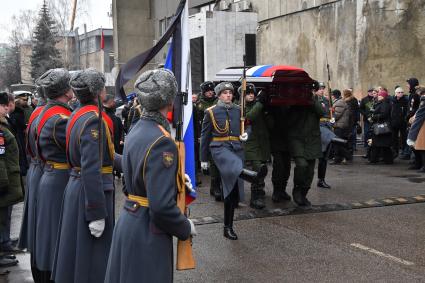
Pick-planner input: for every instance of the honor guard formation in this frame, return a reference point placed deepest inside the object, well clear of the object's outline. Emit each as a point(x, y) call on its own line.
point(71, 145)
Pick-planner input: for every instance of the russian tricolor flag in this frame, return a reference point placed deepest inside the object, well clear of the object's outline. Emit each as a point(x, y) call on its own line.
point(178, 61)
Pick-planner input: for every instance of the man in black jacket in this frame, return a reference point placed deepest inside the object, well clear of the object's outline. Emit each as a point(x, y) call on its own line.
point(399, 108)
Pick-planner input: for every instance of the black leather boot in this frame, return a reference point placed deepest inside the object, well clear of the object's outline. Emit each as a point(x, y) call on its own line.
point(252, 176)
point(229, 211)
point(279, 193)
point(304, 194)
point(257, 201)
point(298, 197)
point(322, 184)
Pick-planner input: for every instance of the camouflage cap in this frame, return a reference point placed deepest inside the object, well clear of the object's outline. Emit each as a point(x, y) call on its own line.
point(156, 89)
point(222, 87)
point(250, 88)
point(207, 86)
point(54, 83)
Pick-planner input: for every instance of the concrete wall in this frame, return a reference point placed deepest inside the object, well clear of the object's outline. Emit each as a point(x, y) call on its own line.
point(368, 42)
point(133, 28)
point(224, 38)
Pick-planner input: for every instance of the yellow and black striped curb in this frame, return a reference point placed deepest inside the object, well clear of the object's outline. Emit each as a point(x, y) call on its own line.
point(253, 214)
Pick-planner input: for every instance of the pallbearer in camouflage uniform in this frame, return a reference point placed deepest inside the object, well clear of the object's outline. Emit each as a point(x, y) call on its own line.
point(87, 219)
point(51, 144)
point(305, 146)
point(150, 214)
point(221, 137)
point(277, 123)
point(35, 171)
point(205, 101)
point(257, 147)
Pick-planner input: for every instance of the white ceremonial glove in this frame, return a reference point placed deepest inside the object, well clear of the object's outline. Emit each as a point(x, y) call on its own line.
point(332, 121)
point(243, 137)
point(193, 231)
point(205, 166)
point(188, 183)
point(410, 143)
point(97, 227)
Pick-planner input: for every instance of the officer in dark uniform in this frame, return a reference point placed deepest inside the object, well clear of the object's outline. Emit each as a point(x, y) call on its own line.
point(150, 214)
point(305, 146)
point(87, 218)
point(35, 171)
point(51, 144)
point(257, 147)
point(221, 137)
point(205, 101)
point(10, 179)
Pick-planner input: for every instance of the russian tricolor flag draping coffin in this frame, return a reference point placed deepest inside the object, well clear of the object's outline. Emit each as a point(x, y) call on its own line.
point(178, 60)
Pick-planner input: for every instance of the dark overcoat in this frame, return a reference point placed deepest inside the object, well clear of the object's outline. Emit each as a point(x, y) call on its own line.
point(142, 245)
point(51, 145)
point(381, 114)
point(27, 233)
point(89, 196)
point(227, 155)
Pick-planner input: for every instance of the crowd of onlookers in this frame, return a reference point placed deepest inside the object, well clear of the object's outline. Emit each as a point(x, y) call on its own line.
point(389, 122)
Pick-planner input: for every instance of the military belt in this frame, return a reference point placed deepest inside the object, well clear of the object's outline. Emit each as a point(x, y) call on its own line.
point(104, 170)
point(142, 201)
point(222, 139)
point(58, 165)
point(324, 119)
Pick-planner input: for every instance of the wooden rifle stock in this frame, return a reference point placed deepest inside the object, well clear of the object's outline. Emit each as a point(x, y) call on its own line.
point(185, 258)
point(242, 98)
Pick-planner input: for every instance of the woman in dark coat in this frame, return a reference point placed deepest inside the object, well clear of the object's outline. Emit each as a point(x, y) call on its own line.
point(381, 144)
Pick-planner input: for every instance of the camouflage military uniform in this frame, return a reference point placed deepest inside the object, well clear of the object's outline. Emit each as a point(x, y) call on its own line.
point(257, 148)
point(305, 146)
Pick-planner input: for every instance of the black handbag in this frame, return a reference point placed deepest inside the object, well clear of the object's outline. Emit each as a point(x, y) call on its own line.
point(381, 129)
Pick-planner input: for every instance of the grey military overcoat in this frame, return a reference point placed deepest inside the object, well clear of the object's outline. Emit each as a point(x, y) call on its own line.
point(51, 144)
point(142, 246)
point(89, 196)
point(27, 233)
point(227, 155)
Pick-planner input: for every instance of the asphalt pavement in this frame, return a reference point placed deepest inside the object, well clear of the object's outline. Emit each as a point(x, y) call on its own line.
point(367, 228)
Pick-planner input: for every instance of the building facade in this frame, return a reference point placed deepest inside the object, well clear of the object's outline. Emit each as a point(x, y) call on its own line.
point(365, 42)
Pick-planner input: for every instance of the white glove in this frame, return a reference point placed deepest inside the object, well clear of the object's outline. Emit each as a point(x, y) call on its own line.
point(205, 165)
point(243, 137)
point(97, 227)
point(332, 121)
point(193, 231)
point(410, 142)
point(188, 183)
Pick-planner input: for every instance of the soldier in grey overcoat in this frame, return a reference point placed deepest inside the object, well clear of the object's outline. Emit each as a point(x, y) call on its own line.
point(87, 218)
point(221, 136)
point(142, 245)
point(51, 145)
point(35, 171)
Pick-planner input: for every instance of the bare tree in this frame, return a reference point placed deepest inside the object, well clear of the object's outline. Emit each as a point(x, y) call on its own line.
point(61, 11)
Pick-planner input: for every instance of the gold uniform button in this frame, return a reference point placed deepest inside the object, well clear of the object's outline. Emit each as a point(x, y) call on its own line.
point(135, 205)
